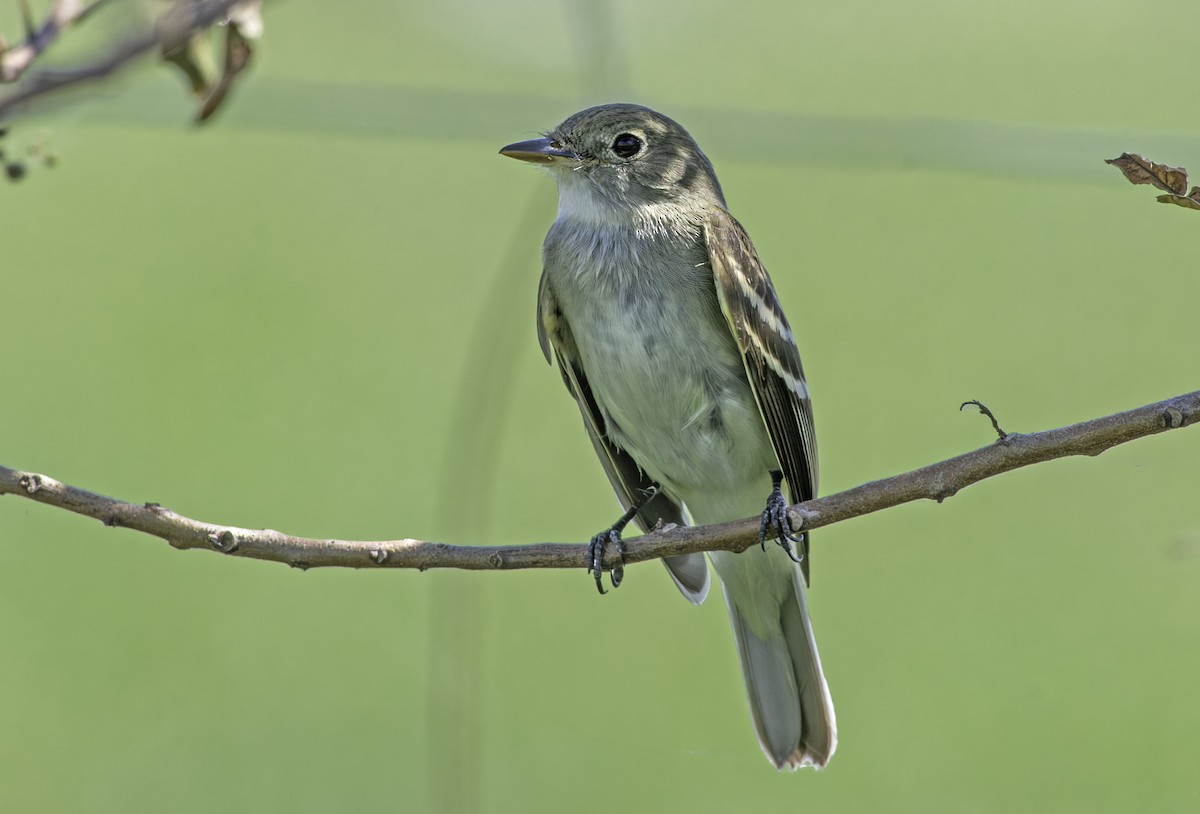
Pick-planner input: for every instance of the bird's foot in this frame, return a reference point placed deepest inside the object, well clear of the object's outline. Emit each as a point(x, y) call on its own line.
point(609, 537)
point(612, 536)
point(777, 524)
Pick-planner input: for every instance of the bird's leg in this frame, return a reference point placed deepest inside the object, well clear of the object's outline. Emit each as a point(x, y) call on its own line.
point(612, 535)
point(775, 519)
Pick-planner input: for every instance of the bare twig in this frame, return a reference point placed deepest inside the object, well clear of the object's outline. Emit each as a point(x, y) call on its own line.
point(983, 408)
point(174, 26)
point(62, 15)
point(935, 482)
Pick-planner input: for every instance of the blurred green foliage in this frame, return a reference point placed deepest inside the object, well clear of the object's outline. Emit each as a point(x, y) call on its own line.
point(270, 322)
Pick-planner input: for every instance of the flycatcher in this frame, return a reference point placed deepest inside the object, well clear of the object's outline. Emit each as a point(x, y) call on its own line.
point(669, 335)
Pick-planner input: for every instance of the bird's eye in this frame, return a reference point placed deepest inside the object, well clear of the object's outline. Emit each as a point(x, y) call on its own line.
point(627, 145)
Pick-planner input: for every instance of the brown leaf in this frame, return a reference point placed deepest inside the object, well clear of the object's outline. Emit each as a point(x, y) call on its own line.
point(1186, 201)
point(189, 57)
point(1143, 171)
point(242, 30)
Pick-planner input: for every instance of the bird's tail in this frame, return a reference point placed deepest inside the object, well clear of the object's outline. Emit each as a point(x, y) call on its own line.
point(789, 699)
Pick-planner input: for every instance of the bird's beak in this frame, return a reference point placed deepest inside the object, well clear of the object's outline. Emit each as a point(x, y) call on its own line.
point(538, 150)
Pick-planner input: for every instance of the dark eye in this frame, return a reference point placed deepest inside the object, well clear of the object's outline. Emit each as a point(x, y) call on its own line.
point(627, 145)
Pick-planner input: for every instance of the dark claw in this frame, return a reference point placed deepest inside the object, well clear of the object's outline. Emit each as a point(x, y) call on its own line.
point(596, 557)
point(613, 535)
point(775, 519)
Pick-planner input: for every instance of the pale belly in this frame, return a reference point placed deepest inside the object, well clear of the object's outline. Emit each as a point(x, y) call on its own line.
point(682, 408)
point(668, 379)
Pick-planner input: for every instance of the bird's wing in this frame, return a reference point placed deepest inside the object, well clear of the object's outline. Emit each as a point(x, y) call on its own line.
point(690, 572)
point(768, 350)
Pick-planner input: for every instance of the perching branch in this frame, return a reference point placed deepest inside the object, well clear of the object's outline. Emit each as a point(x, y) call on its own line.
point(935, 482)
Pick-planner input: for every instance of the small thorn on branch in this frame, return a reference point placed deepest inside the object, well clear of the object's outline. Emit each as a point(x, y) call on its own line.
point(983, 409)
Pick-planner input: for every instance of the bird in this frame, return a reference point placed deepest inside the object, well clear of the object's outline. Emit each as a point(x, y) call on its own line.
point(667, 331)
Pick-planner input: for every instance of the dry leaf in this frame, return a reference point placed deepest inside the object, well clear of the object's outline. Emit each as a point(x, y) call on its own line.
point(1190, 201)
point(1171, 180)
point(193, 55)
point(1143, 171)
point(239, 48)
point(189, 56)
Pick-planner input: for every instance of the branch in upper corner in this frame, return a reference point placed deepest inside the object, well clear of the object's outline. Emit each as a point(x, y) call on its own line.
point(176, 33)
point(62, 15)
point(1171, 180)
point(935, 482)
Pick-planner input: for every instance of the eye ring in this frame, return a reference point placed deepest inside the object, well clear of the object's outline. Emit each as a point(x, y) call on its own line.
point(627, 145)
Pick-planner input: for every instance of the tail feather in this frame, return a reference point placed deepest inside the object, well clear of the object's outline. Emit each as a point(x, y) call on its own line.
point(819, 737)
point(690, 572)
point(789, 699)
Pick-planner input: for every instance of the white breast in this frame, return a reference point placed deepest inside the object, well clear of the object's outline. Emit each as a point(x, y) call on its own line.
point(660, 360)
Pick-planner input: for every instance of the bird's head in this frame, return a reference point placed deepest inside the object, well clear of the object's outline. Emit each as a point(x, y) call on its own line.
point(621, 160)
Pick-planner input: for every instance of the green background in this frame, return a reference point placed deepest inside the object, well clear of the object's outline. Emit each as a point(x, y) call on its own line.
point(316, 315)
